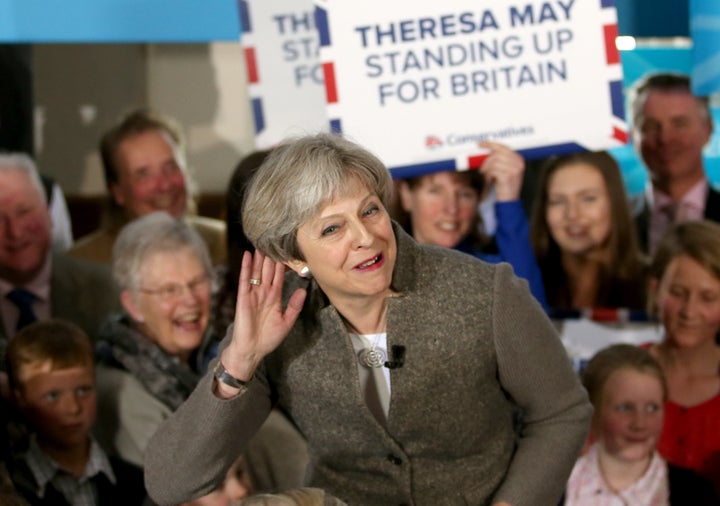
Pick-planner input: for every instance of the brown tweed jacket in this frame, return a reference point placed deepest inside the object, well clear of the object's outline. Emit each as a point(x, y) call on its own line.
point(478, 347)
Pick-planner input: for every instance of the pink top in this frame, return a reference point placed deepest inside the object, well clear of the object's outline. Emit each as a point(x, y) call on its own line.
point(587, 487)
point(691, 438)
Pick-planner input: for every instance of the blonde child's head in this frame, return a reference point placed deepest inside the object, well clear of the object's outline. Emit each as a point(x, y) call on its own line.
point(628, 390)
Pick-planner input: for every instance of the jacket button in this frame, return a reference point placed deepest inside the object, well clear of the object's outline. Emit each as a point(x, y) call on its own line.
point(394, 459)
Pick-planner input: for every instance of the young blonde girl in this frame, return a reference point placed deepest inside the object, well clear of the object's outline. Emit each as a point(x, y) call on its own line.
point(627, 389)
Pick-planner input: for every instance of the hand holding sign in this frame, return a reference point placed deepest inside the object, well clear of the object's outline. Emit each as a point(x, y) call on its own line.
point(503, 168)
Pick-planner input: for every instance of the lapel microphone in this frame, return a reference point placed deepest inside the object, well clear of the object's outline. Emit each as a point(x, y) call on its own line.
point(398, 357)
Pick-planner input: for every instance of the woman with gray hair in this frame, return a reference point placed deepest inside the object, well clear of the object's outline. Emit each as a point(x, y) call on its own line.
point(152, 355)
point(403, 365)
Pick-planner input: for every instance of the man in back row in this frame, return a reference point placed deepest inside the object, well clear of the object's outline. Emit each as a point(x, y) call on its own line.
point(145, 170)
point(671, 127)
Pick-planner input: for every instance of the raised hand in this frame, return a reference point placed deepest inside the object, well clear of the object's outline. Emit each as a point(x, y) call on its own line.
point(260, 323)
point(504, 168)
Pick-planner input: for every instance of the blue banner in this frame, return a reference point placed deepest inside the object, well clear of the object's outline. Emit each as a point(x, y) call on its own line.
point(705, 33)
point(37, 21)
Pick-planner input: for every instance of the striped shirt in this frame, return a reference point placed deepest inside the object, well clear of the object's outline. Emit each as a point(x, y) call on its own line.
point(77, 491)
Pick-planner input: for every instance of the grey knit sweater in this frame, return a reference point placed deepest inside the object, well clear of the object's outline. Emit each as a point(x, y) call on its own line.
point(479, 349)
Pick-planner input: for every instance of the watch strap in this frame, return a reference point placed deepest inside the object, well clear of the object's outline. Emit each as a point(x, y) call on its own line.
point(222, 375)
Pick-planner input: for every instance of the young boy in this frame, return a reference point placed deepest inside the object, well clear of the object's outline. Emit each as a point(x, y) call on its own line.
point(52, 380)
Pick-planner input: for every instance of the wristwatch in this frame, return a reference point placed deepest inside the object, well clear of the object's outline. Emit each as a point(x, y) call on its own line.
point(222, 375)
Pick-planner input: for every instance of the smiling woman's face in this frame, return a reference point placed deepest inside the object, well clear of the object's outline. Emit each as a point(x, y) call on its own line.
point(688, 298)
point(349, 246)
point(578, 212)
point(442, 206)
point(172, 305)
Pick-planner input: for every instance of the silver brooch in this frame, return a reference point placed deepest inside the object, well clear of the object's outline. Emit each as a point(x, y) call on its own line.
point(372, 357)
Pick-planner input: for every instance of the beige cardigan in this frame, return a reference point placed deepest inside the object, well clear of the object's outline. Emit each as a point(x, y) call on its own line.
point(478, 347)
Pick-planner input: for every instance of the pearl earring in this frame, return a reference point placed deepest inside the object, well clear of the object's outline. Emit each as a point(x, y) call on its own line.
point(305, 272)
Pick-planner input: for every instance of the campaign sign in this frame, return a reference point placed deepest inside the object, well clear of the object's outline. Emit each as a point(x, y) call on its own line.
point(705, 33)
point(285, 77)
point(421, 83)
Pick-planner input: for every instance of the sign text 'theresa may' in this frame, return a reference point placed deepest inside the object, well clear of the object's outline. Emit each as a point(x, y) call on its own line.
point(493, 51)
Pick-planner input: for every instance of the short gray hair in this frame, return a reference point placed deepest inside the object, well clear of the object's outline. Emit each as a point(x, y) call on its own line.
point(156, 232)
point(21, 162)
point(296, 180)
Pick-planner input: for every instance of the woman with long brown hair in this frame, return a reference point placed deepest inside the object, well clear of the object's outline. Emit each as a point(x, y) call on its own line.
point(583, 235)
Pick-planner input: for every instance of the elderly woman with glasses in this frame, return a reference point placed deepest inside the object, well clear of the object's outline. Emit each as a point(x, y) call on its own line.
point(152, 355)
point(403, 365)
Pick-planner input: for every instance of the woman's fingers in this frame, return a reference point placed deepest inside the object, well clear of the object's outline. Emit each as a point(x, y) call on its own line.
point(276, 277)
point(244, 278)
point(501, 152)
point(295, 304)
point(260, 323)
point(269, 269)
point(257, 268)
point(504, 168)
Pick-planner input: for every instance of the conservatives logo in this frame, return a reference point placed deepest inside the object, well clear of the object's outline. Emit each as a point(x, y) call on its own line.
point(432, 142)
point(454, 139)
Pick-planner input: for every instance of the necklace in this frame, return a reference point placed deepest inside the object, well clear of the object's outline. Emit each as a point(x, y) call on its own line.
point(372, 357)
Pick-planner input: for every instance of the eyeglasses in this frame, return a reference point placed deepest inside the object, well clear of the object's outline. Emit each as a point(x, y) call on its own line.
point(172, 291)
